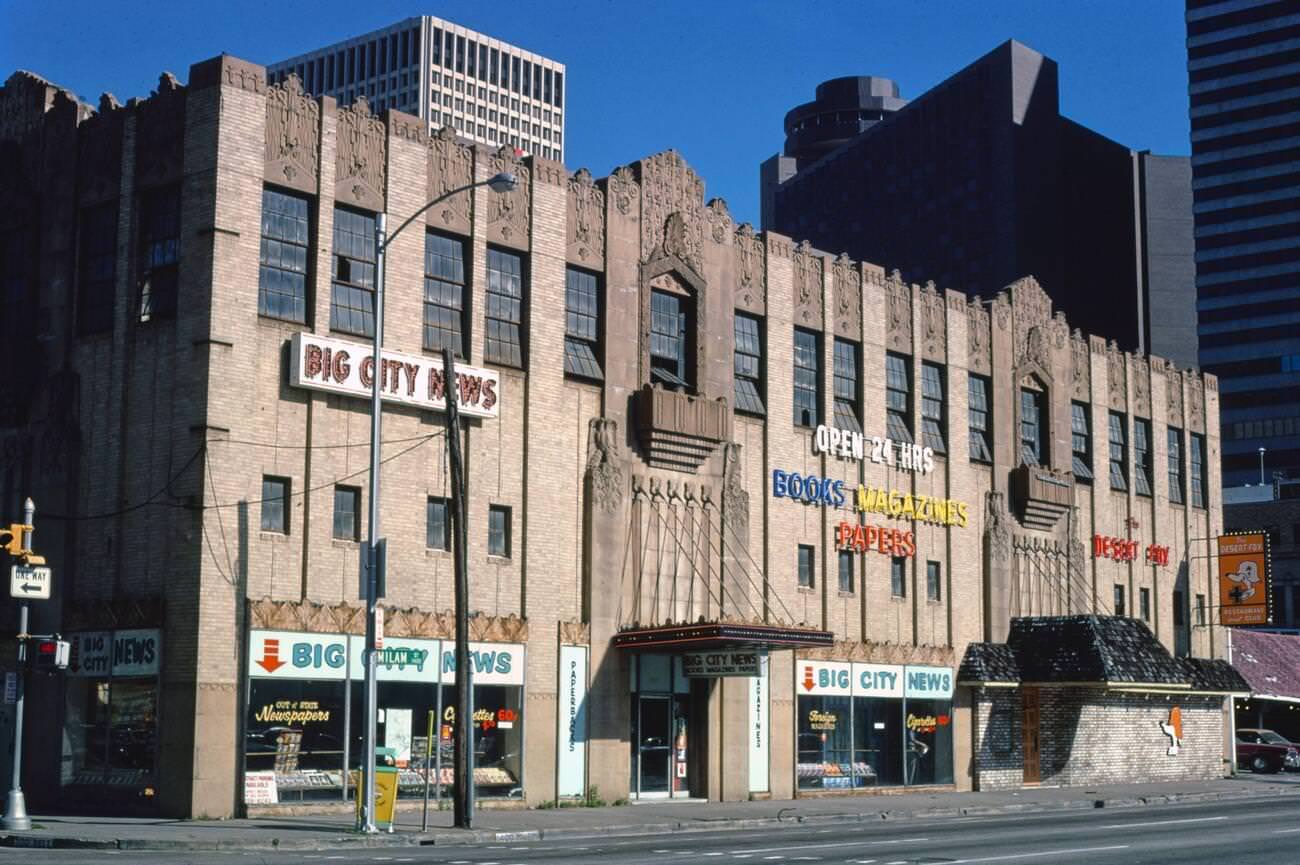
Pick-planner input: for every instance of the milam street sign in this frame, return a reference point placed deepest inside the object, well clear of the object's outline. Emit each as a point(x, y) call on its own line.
point(30, 583)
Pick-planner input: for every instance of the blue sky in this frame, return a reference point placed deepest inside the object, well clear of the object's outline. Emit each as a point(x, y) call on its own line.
point(712, 79)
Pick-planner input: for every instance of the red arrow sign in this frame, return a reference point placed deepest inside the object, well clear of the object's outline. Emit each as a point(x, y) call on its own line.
point(270, 656)
point(807, 678)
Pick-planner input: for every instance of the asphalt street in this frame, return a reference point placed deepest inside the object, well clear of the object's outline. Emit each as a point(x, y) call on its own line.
point(1249, 832)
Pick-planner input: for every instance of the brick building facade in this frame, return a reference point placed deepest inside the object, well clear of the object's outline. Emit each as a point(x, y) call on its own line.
point(690, 422)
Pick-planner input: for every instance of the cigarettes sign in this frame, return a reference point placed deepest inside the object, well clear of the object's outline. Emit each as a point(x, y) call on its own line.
point(1244, 579)
point(348, 368)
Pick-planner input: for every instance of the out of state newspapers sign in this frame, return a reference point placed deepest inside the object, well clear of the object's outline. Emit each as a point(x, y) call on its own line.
point(348, 368)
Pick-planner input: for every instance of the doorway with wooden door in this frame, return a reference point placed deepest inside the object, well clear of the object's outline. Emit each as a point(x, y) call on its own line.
point(1029, 731)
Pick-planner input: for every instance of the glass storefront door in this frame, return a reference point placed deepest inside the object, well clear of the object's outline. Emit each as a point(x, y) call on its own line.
point(654, 746)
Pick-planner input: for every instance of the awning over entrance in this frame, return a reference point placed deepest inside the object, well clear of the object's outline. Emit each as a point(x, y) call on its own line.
point(1114, 652)
point(1270, 663)
point(722, 635)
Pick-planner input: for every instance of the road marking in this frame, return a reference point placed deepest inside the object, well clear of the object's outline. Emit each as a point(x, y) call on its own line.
point(1162, 822)
point(836, 844)
point(1040, 853)
point(1284, 831)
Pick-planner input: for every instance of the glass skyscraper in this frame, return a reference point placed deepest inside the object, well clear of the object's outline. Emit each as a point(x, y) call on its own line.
point(1243, 63)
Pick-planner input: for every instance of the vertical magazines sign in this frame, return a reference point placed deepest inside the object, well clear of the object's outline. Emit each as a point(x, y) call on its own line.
point(1244, 579)
point(758, 729)
point(348, 368)
point(571, 762)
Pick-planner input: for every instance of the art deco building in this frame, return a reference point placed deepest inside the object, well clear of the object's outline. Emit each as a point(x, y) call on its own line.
point(744, 518)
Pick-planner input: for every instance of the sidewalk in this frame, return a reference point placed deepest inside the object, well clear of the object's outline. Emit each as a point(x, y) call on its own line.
point(519, 825)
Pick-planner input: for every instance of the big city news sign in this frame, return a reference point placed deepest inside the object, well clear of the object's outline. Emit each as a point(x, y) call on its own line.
point(322, 363)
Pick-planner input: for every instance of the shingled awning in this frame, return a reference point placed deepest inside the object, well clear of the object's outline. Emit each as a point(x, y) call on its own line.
point(1270, 664)
point(1114, 652)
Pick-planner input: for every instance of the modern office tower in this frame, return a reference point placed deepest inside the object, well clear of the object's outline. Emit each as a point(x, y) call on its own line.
point(487, 90)
point(1243, 64)
point(979, 181)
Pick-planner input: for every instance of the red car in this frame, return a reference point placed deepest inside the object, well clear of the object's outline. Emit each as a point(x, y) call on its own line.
point(1265, 751)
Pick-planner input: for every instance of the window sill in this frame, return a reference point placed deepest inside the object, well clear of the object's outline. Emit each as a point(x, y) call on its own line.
point(498, 560)
point(275, 319)
point(898, 599)
point(435, 553)
point(341, 544)
point(843, 594)
point(933, 602)
point(806, 590)
point(273, 537)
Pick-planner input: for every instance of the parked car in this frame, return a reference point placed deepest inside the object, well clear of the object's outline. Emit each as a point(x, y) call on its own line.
point(1257, 739)
point(1265, 751)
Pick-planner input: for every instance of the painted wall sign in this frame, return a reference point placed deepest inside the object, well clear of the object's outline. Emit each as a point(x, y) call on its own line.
point(722, 663)
point(861, 539)
point(91, 653)
point(759, 719)
point(1244, 579)
point(322, 363)
point(929, 683)
point(909, 506)
point(571, 762)
point(814, 490)
point(848, 444)
point(297, 655)
point(492, 663)
point(136, 652)
point(886, 681)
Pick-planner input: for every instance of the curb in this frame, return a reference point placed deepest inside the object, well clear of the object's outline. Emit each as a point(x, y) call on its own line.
point(452, 838)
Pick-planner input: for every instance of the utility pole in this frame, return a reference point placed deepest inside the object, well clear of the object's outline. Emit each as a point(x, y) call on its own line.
point(372, 576)
point(16, 818)
point(464, 727)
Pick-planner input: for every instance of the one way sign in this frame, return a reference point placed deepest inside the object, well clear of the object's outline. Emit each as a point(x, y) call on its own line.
point(30, 582)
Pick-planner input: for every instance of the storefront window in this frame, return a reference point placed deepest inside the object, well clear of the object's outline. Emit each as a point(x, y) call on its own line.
point(868, 725)
point(498, 740)
point(110, 731)
point(295, 729)
point(826, 744)
point(929, 742)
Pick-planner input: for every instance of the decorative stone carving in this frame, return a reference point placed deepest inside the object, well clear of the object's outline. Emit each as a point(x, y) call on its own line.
point(978, 350)
point(997, 526)
point(408, 127)
point(604, 464)
point(735, 500)
point(807, 285)
point(108, 102)
point(1037, 353)
point(343, 618)
point(575, 633)
point(846, 288)
point(682, 241)
point(99, 161)
point(719, 218)
point(22, 104)
point(1141, 385)
point(898, 313)
point(1030, 308)
point(1173, 396)
point(1116, 384)
point(1195, 403)
point(292, 136)
point(586, 230)
point(1002, 311)
point(624, 190)
point(934, 329)
point(668, 186)
point(751, 270)
point(360, 163)
point(1080, 368)
point(450, 167)
point(160, 133)
point(508, 212)
point(882, 653)
point(110, 615)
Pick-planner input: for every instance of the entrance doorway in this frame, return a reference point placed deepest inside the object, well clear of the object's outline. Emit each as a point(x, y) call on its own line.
point(660, 741)
point(1029, 728)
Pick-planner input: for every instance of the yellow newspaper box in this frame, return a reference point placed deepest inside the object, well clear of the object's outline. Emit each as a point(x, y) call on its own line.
point(385, 793)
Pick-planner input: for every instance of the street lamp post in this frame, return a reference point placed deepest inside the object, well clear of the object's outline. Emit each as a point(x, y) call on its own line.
point(372, 578)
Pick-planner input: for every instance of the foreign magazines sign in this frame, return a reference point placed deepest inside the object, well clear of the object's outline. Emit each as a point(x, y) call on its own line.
point(335, 366)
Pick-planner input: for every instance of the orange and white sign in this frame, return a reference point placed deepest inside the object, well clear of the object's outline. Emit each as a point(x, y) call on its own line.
point(1244, 579)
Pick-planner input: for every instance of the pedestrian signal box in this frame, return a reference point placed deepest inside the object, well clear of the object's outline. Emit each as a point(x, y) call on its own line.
point(49, 654)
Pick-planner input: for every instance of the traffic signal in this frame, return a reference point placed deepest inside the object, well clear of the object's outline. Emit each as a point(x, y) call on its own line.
point(12, 538)
point(50, 654)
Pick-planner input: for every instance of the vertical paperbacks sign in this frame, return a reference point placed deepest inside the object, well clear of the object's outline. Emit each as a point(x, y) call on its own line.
point(571, 761)
point(1244, 579)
